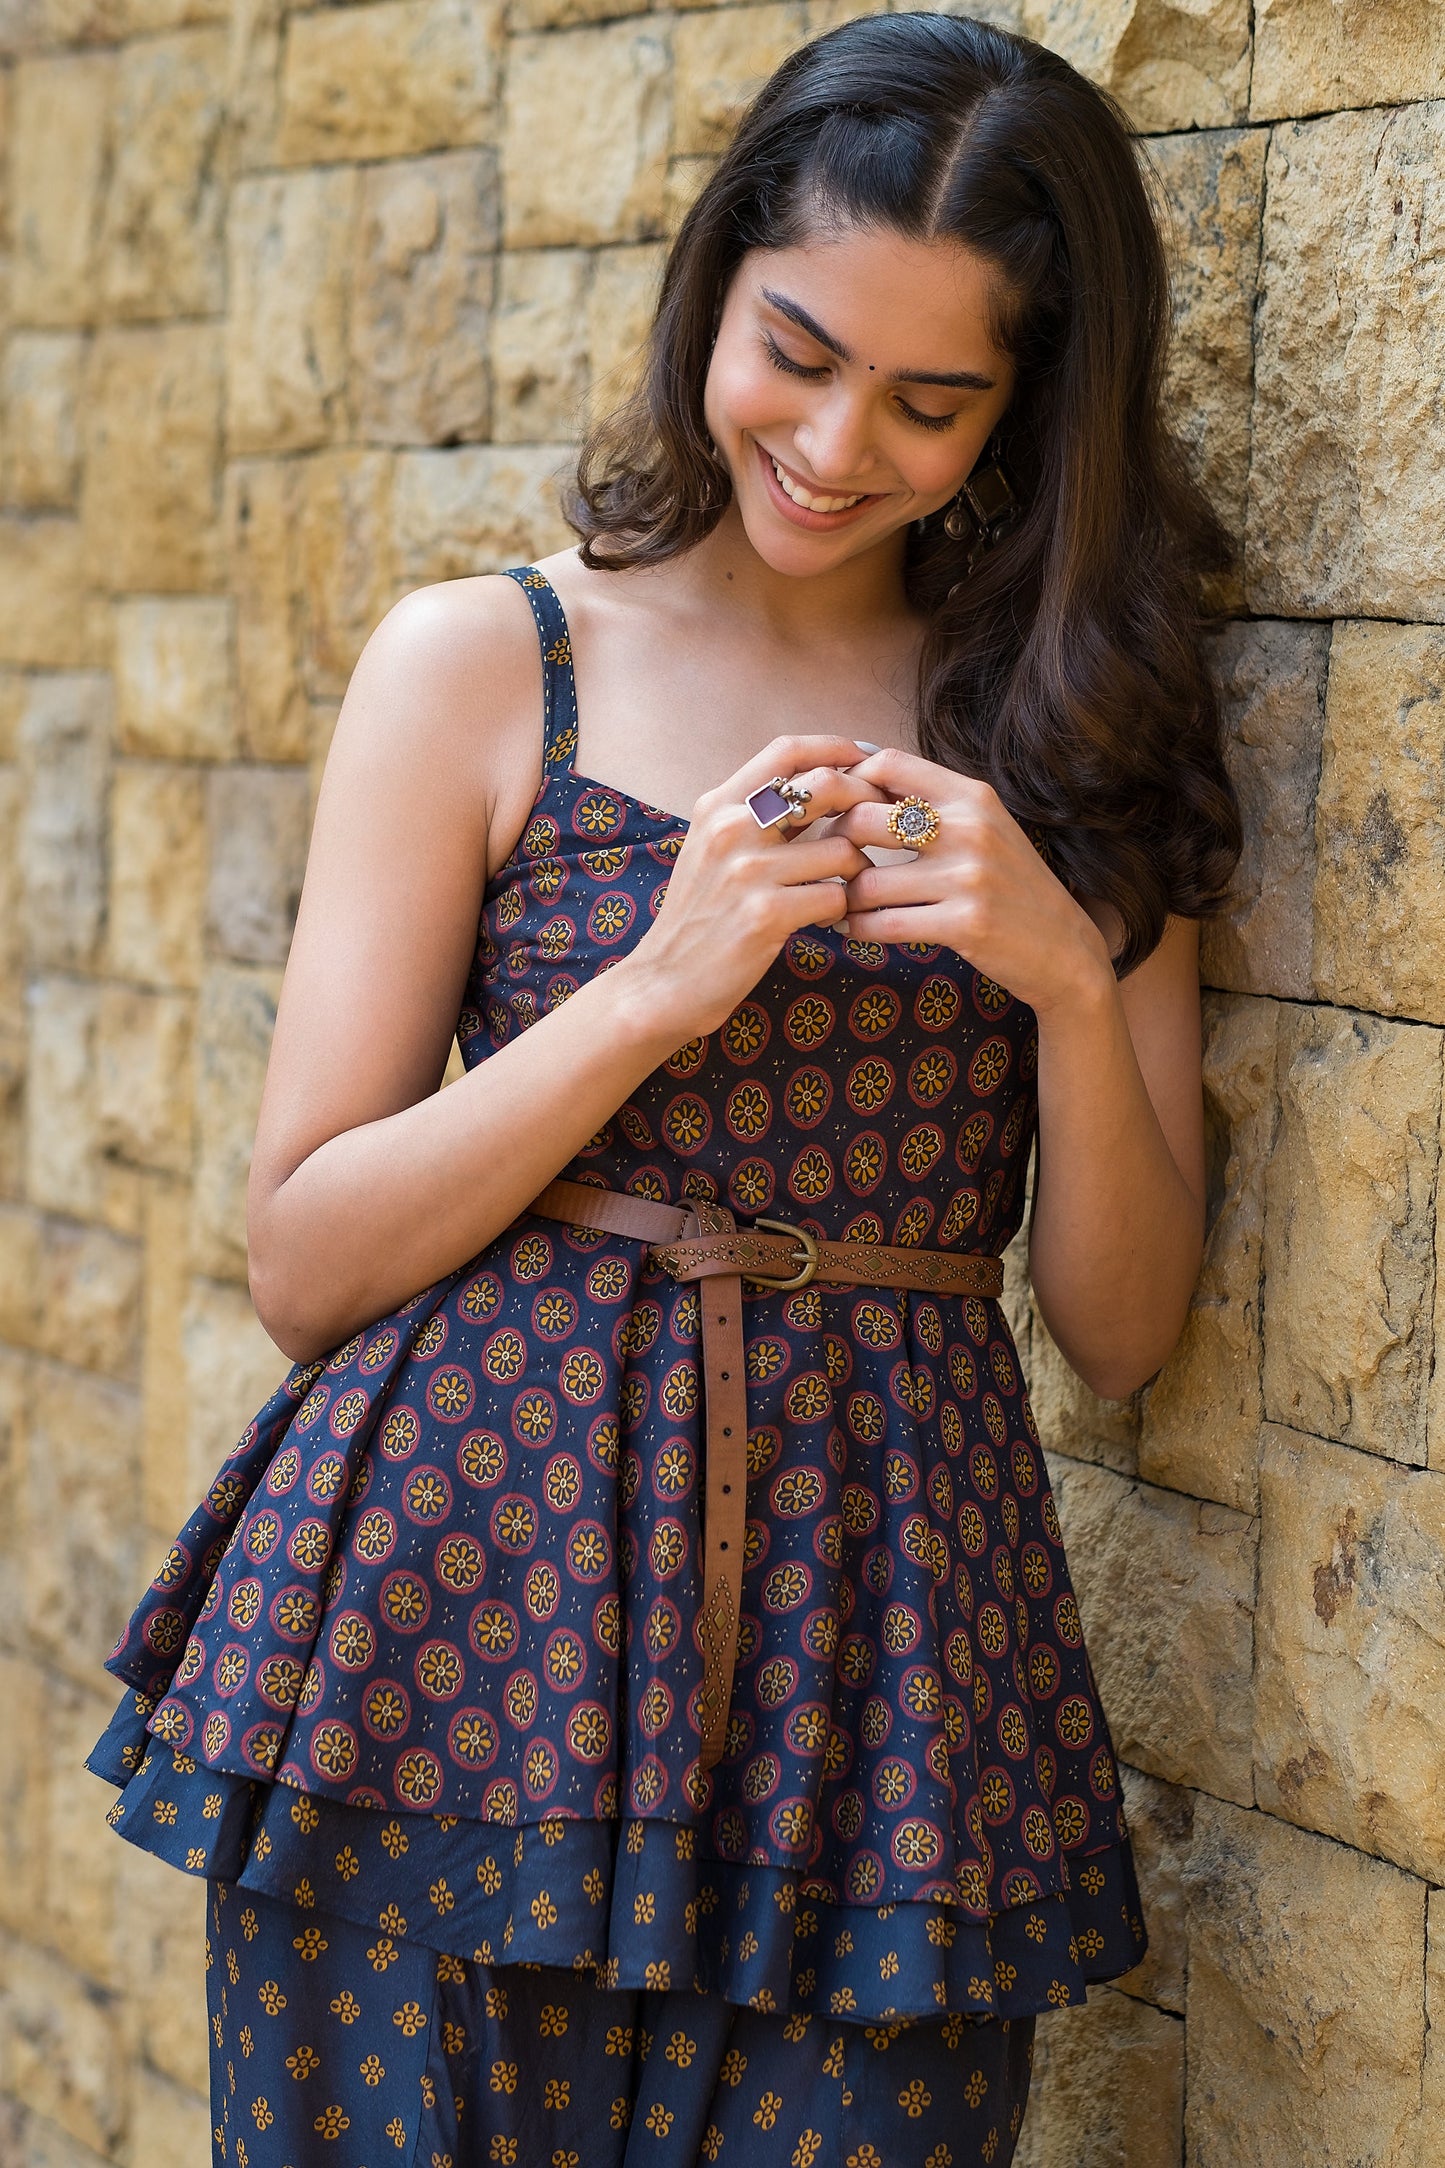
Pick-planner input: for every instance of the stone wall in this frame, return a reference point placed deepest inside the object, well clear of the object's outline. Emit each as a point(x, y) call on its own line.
point(299, 308)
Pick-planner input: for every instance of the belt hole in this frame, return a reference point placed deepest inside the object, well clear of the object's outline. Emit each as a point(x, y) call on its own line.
point(726, 1488)
point(722, 1546)
point(727, 1430)
point(725, 1375)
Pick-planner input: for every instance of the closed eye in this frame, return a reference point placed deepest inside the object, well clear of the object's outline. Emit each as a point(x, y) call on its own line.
point(812, 371)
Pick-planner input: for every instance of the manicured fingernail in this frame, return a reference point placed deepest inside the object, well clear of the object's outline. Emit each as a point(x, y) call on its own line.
point(867, 745)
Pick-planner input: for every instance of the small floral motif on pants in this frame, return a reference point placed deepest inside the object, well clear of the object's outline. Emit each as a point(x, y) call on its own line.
point(335, 2046)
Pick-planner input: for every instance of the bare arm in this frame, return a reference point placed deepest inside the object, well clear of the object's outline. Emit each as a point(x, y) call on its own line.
point(1118, 1215)
point(367, 1183)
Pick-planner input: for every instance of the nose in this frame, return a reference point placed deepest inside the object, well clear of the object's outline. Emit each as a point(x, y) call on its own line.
point(834, 437)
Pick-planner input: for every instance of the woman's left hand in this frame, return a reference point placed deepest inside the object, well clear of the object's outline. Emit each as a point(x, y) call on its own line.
point(979, 888)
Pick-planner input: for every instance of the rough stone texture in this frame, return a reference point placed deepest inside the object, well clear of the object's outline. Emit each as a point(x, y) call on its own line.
point(463, 512)
point(1346, 491)
point(1161, 1829)
point(260, 823)
point(149, 497)
point(598, 97)
point(1201, 1413)
point(233, 1037)
point(1380, 888)
point(1166, 1589)
point(290, 239)
point(1351, 1649)
point(1314, 56)
point(160, 238)
point(1349, 1264)
point(173, 677)
point(1272, 680)
point(1305, 2012)
point(1108, 2086)
point(41, 394)
point(65, 743)
point(384, 80)
point(1213, 184)
point(61, 142)
point(723, 57)
point(1172, 63)
point(304, 306)
point(423, 283)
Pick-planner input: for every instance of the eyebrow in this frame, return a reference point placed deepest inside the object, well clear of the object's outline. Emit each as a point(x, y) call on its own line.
point(952, 379)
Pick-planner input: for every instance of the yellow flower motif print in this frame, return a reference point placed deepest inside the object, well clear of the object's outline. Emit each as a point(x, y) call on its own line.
point(396, 2131)
point(557, 2093)
point(331, 2122)
point(659, 2120)
point(765, 2114)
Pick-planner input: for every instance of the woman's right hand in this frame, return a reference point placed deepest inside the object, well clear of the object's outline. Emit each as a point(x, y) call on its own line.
point(738, 891)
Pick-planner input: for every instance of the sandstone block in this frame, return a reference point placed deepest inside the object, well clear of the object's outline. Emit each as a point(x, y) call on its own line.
point(149, 496)
point(15, 1370)
point(65, 2058)
point(157, 873)
point(166, 1499)
point(58, 159)
point(471, 511)
point(81, 1558)
point(232, 1369)
point(422, 288)
point(1314, 56)
point(47, 619)
point(344, 556)
point(1380, 887)
point(1272, 679)
point(163, 1926)
point(723, 57)
point(1171, 64)
point(262, 498)
point(1345, 490)
point(1351, 1649)
point(169, 2123)
point(12, 1090)
point(77, 1915)
point(65, 736)
point(35, 2143)
point(21, 1239)
point(253, 82)
point(686, 179)
point(291, 236)
point(41, 394)
point(160, 238)
point(388, 79)
point(563, 14)
point(599, 96)
point(620, 309)
point(62, 1159)
point(1349, 1269)
point(1305, 2034)
point(12, 907)
point(237, 1016)
point(1072, 1419)
point(1432, 2103)
point(22, 1794)
point(1166, 1589)
point(539, 344)
point(143, 1077)
point(259, 820)
point(1214, 186)
point(14, 692)
point(175, 697)
point(1201, 1413)
point(1161, 1828)
point(1108, 2085)
point(88, 1299)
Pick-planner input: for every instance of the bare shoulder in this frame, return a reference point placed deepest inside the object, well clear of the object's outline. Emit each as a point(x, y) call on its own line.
point(450, 683)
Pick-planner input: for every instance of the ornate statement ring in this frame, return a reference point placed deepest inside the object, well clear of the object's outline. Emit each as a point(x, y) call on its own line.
point(913, 823)
point(776, 802)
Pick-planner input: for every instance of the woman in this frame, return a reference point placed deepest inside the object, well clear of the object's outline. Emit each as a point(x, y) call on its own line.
point(628, 1698)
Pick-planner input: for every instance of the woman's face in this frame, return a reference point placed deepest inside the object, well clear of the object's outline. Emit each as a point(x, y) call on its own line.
point(852, 386)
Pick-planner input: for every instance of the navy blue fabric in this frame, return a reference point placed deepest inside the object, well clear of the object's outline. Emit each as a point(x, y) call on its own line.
point(337, 2045)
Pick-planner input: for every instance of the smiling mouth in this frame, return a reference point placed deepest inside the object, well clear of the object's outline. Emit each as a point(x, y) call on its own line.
point(810, 500)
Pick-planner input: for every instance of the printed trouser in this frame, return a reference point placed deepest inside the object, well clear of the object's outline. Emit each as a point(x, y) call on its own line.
point(338, 2046)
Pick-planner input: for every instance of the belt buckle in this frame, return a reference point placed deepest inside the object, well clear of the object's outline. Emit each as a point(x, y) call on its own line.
point(808, 1245)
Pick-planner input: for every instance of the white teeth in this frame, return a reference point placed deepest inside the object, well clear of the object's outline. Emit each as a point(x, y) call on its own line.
point(812, 504)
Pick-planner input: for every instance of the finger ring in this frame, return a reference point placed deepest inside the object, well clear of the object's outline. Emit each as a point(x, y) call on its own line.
point(914, 823)
point(776, 802)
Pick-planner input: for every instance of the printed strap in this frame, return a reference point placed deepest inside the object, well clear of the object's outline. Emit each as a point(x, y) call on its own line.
point(559, 686)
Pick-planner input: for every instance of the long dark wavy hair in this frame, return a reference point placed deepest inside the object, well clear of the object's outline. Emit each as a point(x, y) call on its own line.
point(1067, 669)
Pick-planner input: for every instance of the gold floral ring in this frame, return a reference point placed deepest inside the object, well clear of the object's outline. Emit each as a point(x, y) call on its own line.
point(913, 823)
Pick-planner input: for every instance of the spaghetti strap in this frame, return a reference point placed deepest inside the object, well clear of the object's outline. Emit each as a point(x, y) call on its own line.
point(559, 685)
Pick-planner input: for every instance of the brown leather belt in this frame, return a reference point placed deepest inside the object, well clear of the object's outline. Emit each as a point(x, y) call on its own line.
point(702, 1241)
